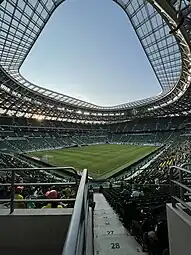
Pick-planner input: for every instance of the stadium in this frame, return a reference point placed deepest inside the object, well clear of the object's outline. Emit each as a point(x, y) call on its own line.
point(78, 178)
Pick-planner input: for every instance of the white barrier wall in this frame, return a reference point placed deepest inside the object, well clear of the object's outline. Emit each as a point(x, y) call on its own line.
point(179, 230)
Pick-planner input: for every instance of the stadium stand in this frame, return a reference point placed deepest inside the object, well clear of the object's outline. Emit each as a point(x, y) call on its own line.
point(177, 153)
point(154, 192)
point(8, 161)
point(20, 134)
point(144, 204)
point(143, 197)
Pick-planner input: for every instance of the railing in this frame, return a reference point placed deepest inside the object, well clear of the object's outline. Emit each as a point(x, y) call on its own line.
point(79, 239)
point(13, 184)
point(179, 190)
point(79, 236)
point(116, 184)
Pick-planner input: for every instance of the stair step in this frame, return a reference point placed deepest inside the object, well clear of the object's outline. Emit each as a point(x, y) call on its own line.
point(116, 244)
point(109, 230)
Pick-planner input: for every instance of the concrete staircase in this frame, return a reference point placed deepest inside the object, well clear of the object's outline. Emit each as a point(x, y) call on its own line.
point(110, 237)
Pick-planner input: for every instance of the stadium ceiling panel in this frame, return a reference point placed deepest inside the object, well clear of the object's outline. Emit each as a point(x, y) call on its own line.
point(22, 21)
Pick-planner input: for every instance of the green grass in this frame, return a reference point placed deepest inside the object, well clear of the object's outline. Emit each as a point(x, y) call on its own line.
point(100, 160)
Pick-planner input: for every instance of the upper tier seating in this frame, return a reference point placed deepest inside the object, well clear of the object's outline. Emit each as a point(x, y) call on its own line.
point(136, 125)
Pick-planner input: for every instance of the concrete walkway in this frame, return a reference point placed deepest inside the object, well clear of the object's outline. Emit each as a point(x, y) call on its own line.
point(110, 237)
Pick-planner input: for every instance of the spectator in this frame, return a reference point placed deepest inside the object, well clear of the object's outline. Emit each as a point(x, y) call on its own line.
point(18, 195)
point(125, 194)
point(131, 212)
point(161, 231)
point(91, 195)
point(100, 189)
point(136, 193)
point(157, 181)
point(31, 205)
point(68, 192)
point(52, 194)
point(152, 243)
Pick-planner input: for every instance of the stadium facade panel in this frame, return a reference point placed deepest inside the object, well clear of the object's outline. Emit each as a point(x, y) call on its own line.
point(21, 23)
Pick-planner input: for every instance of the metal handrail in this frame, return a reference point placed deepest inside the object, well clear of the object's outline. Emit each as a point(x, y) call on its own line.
point(181, 169)
point(180, 184)
point(76, 239)
point(40, 200)
point(39, 184)
point(41, 168)
point(185, 164)
point(12, 200)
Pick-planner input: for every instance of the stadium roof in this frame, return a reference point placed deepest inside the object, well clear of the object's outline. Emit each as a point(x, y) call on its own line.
point(22, 21)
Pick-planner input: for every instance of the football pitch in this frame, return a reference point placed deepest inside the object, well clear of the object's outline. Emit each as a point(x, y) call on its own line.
point(100, 160)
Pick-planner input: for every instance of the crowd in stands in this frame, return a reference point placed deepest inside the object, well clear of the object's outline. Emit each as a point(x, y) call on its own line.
point(30, 191)
point(142, 211)
point(177, 154)
point(141, 199)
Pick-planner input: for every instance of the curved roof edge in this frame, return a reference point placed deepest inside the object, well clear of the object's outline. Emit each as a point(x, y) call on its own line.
point(180, 78)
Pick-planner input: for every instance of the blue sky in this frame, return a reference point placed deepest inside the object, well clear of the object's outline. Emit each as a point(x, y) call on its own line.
point(89, 50)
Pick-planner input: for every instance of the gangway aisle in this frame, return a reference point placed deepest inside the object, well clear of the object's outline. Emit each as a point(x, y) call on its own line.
point(110, 237)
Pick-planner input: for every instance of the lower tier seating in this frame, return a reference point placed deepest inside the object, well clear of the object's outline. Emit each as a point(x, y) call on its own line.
point(144, 215)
